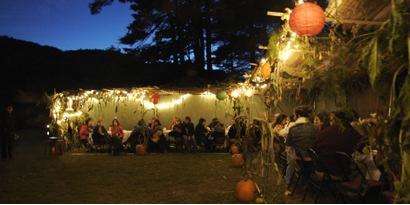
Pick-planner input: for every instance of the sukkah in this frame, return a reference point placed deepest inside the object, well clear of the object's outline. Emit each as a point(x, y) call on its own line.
point(70, 108)
point(364, 52)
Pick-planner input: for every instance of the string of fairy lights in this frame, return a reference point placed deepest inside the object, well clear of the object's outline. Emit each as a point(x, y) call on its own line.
point(68, 106)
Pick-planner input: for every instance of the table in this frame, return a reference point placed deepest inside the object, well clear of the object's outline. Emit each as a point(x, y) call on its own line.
point(127, 134)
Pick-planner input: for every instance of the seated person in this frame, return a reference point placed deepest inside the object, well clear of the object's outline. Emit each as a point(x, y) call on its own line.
point(85, 131)
point(100, 134)
point(253, 140)
point(300, 138)
point(280, 131)
point(237, 131)
point(139, 134)
point(188, 132)
point(321, 121)
point(339, 137)
point(201, 133)
point(176, 135)
point(157, 141)
point(217, 135)
point(117, 134)
point(175, 121)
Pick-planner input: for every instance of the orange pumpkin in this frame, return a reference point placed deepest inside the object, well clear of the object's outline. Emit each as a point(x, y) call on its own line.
point(237, 160)
point(53, 151)
point(266, 70)
point(140, 149)
point(234, 149)
point(245, 191)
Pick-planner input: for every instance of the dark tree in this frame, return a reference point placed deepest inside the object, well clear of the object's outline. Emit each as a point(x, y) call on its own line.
point(207, 33)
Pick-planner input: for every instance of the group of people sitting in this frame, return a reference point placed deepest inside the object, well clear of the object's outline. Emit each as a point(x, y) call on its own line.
point(181, 135)
point(100, 136)
point(325, 133)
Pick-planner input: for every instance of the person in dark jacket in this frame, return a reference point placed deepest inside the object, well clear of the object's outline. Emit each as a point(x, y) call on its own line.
point(100, 135)
point(237, 131)
point(217, 135)
point(8, 132)
point(139, 134)
point(201, 132)
point(253, 139)
point(188, 133)
point(177, 134)
point(339, 137)
point(300, 138)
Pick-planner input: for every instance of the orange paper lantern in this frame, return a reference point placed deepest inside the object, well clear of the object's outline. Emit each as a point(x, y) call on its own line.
point(307, 19)
point(155, 98)
point(266, 70)
point(245, 190)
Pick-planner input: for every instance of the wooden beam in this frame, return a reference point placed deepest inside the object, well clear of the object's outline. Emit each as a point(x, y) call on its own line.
point(343, 21)
point(263, 47)
point(349, 21)
point(273, 13)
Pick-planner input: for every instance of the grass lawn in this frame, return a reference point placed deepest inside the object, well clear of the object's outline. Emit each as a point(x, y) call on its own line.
point(158, 178)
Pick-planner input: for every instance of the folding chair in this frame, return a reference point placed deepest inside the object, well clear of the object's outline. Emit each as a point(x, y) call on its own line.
point(320, 178)
point(303, 170)
point(355, 186)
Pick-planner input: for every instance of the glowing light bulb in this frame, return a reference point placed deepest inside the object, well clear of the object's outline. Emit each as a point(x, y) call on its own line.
point(236, 93)
point(249, 92)
point(285, 55)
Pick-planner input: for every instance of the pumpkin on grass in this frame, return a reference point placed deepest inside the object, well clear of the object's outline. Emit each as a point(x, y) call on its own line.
point(234, 149)
point(237, 160)
point(245, 191)
point(140, 149)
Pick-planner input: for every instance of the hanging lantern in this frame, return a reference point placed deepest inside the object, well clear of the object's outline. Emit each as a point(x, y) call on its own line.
point(266, 70)
point(307, 19)
point(155, 98)
point(221, 95)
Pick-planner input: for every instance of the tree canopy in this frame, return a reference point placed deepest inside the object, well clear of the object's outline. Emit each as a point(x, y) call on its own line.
point(207, 33)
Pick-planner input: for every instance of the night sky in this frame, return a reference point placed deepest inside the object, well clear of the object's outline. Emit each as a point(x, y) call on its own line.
point(65, 24)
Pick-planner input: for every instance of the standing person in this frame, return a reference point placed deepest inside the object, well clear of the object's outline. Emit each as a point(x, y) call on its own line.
point(8, 132)
point(117, 134)
point(188, 133)
point(301, 137)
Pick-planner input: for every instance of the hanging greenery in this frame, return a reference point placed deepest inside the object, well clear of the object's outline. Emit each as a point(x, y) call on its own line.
point(350, 60)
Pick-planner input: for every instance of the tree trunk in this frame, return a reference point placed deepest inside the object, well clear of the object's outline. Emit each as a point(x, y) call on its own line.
point(198, 37)
point(208, 38)
point(174, 37)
